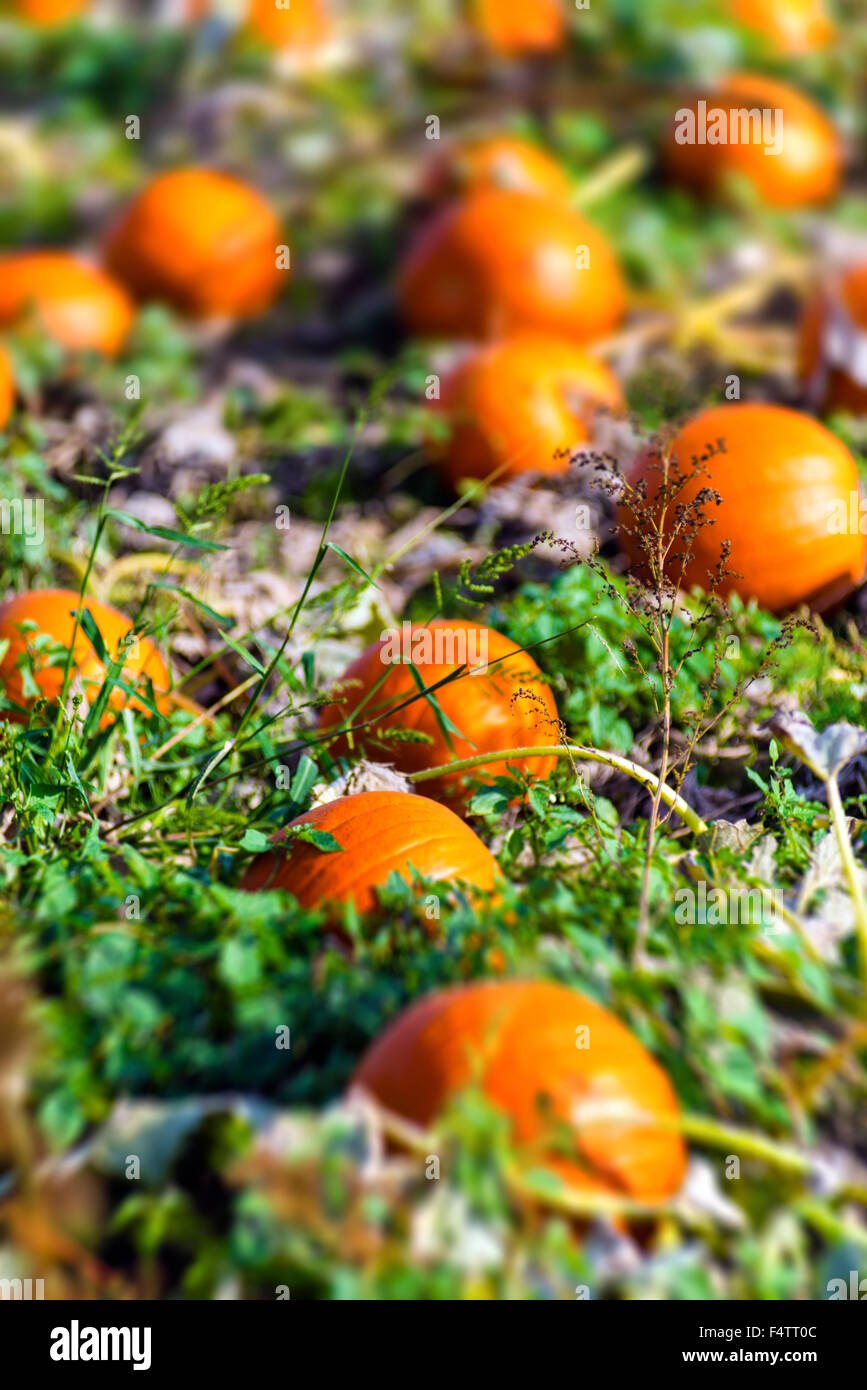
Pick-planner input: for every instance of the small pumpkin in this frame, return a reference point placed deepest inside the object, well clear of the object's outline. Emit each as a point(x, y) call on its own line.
point(513, 28)
point(499, 262)
point(505, 705)
point(379, 833)
point(499, 161)
point(832, 348)
point(79, 306)
point(7, 388)
point(603, 1116)
point(303, 26)
point(45, 13)
point(805, 170)
point(793, 27)
point(53, 612)
point(520, 405)
point(786, 484)
point(201, 241)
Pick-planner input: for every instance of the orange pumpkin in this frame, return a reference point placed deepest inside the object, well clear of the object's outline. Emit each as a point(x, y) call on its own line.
point(46, 12)
point(487, 708)
point(787, 486)
point(7, 387)
point(603, 1116)
point(76, 304)
point(519, 403)
point(793, 27)
point(53, 611)
point(201, 241)
point(806, 169)
point(499, 161)
point(304, 25)
point(512, 28)
point(833, 343)
point(380, 833)
point(498, 262)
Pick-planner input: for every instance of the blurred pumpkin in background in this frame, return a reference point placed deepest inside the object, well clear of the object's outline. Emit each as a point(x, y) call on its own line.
point(497, 161)
point(201, 241)
point(793, 27)
point(303, 25)
point(787, 485)
point(511, 28)
point(45, 12)
point(520, 404)
point(805, 169)
point(498, 261)
point(380, 833)
point(506, 706)
point(603, 1116)
point(74, 303)
point(53, 613)
point(832, 349)
point(7, 387)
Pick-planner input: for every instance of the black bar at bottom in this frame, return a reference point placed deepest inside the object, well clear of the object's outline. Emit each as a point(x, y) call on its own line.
point(71, 1340)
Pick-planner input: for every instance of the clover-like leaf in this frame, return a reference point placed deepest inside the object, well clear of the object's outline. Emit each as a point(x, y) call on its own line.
point(734, 835)
point(825, 753)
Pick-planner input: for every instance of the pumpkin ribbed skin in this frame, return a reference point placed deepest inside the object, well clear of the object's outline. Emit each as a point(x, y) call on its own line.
point(380, 833)
point(44, 13)
point(481, 706)
point(7, 387)
point(849, 294)
point(304, 26)
point(499, 161)
point(793, 27)
point(511, 28)
point(517, 1040)
point(781, 477)
point(53, 612)
point(202, 242)
point(497, 262)
point(808, 168)
point(76, 304)
point(521, 403)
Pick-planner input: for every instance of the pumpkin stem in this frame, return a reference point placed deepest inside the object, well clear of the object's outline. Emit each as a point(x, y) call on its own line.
point(785, 1157)
point(850, 870)
point(591, 755)
point(623, 167)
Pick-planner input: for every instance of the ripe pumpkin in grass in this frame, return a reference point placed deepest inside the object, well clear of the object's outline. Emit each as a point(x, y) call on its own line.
point(807, 169)
point(303, 26)
point(519, 405)
point(832, 349)
point(783, 479)
point(486, 707)
point(498, 261)
point(45, 12)
point(511, 28)
point(498, 161)
point(793, 27)
point(379, 833)
point(53, 611)
point(202, 242)
point(603, 1116)
point(7, 387)
point(76, 304)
